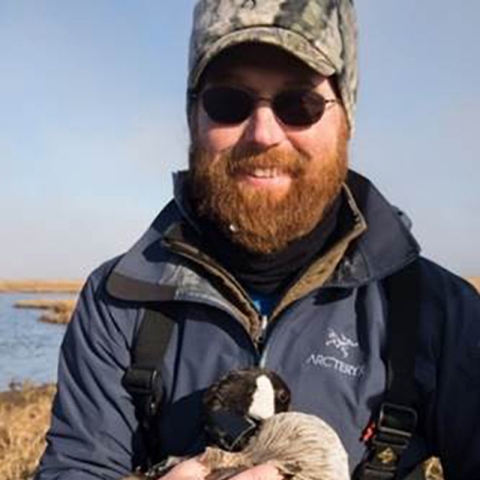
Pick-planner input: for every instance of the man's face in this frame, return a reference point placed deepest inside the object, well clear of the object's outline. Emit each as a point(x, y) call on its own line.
point(264, 182)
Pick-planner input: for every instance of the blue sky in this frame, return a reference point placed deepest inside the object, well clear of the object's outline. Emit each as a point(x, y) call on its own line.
point(92, 124)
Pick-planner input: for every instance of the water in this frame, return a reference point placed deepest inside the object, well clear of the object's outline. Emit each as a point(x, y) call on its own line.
point(28, 348)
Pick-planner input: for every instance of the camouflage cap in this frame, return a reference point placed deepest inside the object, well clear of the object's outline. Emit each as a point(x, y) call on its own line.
point(321, 33)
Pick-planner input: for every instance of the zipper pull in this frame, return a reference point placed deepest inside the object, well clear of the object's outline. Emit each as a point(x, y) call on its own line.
point(263, 331)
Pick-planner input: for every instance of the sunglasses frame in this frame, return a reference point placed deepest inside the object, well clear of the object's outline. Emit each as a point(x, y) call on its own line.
point(256, 99)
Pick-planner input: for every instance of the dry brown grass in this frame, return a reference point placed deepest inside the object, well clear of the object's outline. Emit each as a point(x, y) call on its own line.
point(24, 419)
point(475, 281)
point(40, 286)
point(58, 311)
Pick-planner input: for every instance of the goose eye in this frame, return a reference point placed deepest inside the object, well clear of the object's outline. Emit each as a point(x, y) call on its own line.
point(283, 396)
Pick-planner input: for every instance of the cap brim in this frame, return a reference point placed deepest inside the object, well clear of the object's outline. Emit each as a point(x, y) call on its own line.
point(287, 40)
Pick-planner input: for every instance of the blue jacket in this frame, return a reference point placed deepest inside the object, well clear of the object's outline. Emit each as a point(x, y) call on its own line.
point(326, 338)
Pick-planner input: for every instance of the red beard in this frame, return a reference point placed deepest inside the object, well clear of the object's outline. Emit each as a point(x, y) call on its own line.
point(258, 219)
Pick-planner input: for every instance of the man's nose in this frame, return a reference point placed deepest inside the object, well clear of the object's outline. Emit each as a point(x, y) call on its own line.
point(263, 129)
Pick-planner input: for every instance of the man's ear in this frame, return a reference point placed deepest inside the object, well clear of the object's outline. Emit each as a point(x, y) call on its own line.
point(345, 124)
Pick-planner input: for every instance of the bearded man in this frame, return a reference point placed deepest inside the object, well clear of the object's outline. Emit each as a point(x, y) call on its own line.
point(272, 254)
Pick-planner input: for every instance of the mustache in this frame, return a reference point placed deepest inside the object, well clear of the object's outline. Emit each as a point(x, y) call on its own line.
point(243, 161)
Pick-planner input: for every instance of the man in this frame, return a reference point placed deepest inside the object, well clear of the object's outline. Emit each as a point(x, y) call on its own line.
point(271, 254)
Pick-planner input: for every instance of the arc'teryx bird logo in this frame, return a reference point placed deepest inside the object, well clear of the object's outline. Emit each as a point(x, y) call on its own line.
point(340, 342)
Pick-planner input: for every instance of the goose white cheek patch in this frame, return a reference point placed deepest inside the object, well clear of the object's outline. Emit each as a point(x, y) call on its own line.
point(263, 402)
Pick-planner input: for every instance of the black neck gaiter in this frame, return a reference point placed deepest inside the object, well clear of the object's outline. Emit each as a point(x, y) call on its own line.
point(272, 273)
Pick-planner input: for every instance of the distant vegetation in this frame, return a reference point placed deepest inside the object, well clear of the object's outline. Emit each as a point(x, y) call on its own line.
point(57, 311)
point(40, 286)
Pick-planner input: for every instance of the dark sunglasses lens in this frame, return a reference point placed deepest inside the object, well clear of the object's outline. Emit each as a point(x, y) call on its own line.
point(227, 105)
point(299, 108)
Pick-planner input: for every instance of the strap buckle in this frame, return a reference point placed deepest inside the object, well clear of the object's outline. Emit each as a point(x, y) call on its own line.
point(395, 427)
point(397, 420)
point(145, 385)
point(391, 437)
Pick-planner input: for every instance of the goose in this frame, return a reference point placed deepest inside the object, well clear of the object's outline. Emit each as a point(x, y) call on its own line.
point(247, 422)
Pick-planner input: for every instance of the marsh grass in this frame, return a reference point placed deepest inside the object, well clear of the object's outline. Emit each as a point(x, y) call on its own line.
point(24, 419)
point(40, 286)
point(57, 311)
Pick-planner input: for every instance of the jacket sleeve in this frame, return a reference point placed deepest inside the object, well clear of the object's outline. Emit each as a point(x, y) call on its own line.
point(93, 433)
point(452, 328)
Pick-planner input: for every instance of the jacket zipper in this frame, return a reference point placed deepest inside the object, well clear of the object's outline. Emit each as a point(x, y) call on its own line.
point(261, 342)
point(258, 339)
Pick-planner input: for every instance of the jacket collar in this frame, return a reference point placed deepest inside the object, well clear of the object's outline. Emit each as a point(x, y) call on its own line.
point(149, 271)
point(386, 246)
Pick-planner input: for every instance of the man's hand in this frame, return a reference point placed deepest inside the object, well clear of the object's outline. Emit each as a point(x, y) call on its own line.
point(190, 469)
point(194, 470)
point(260, 472)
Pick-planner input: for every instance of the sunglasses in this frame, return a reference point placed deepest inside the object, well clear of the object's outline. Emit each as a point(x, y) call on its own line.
point(231, 106)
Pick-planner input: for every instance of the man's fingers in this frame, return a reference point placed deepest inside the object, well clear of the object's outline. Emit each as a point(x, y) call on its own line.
point(190, 469)
point(260, 472)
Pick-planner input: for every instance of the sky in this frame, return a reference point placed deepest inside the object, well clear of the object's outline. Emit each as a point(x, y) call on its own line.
point(92, 125)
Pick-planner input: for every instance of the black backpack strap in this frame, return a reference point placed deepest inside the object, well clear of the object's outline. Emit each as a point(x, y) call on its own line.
point(389, 436)
point(143, 379)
